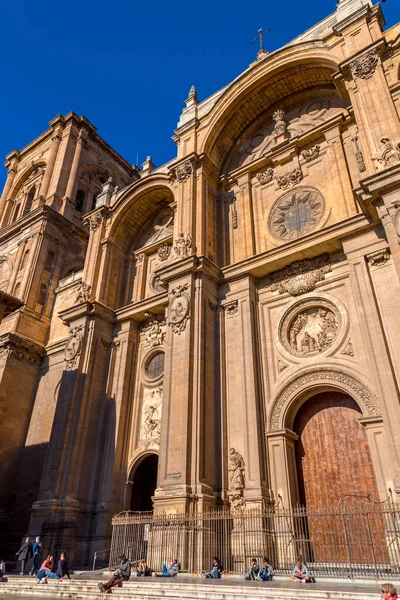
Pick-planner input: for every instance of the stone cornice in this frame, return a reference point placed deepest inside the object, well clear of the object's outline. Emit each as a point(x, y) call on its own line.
point(21, 348)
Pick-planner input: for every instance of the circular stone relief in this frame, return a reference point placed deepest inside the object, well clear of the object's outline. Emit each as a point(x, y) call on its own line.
point(296, 213)
point(310, 327)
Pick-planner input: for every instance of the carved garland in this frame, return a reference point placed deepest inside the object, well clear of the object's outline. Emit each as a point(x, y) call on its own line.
point(318, 375)
point(73, 347)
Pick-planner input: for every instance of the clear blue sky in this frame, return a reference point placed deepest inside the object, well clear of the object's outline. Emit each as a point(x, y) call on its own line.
point(128, 66)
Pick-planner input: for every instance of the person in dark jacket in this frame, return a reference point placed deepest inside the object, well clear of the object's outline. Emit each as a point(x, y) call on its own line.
point(62, 567)
point(121, 574)
point(37, 555)
point(253, 570)
point(216, 569)
point(25, 553)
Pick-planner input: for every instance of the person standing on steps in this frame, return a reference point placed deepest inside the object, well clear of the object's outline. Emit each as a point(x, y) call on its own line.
point(37, 555)
point(25, 553)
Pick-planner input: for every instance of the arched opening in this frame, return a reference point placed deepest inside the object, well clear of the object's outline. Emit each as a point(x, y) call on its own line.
point(80, 200)
point(144, 484)
point(336, 477)
point(29, 200)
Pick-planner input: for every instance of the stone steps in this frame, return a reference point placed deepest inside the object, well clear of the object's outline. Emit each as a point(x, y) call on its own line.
point(187, 590)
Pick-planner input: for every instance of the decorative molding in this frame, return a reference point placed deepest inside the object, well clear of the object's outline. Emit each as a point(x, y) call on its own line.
point(12, 345)
point(300, 276)
point(154, 329)
point(288, 400)
point(95, 221)
point(231, 308)
point(73, 347)
point(290, 179)
point(282, 366)
point(365, 65)
point(164, 251)
point(179, 309)
point(348, 349)
point(310, 327)
point(280, 125)
point(83, 293)
point(379, 259)
point(311, 153)
point(388, 155)
point(140, 257)
point(266, 177)
point(236, 479)
point(183, 246)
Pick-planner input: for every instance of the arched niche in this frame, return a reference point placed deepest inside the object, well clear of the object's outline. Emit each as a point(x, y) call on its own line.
point(143, 482)
point(269, 83)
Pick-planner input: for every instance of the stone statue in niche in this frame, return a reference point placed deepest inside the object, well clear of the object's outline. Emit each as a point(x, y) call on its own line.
point(236, 479)
point(313, 331)
point(388, 155)
point(83, 293)
point(182, 246)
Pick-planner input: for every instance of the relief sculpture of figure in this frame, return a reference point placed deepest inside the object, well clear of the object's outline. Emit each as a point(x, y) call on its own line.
point(236, 470)
point(151, 425)
point(388, 155)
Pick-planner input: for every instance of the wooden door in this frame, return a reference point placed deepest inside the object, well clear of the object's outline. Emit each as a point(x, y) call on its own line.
point(334, 460)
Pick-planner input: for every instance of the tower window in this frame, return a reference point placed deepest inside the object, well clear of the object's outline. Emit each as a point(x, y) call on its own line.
point(79, 200)
point(29, 200)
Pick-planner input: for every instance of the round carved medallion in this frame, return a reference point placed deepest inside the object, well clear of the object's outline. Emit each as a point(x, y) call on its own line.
point(296, 213)
point(310, 327)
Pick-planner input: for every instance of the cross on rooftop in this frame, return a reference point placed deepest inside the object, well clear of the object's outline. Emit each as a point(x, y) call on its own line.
point(259, 37)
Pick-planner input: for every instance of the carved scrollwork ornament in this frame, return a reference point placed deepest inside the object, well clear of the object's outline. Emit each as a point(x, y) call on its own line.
point(266, 177)
point(290, 179)
point(231, 308)
point(365, 65)
point(301, 276)
point(95, 221)
point(379, 258)
point(73, 347)
point(179, 309)
point(184, 171)
point(280, 125)
point(311, 153)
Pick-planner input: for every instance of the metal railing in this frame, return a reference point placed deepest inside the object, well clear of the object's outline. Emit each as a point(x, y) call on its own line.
point(354, 539)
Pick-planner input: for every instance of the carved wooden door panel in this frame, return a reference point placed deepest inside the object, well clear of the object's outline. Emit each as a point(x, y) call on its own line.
point(333, 460)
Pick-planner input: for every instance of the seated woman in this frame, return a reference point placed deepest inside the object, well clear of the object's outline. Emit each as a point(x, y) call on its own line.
point(62, 568)
point(172, 570)
point(266, 572)
point(47, 567)
point(252, 571)
point(216, 569)
point(143, 570)
point(300, 573)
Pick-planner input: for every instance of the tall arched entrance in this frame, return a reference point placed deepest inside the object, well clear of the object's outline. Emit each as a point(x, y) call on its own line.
point(144, 483)
point(335, 476)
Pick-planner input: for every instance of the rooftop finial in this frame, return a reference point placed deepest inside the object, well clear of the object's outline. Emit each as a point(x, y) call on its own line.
point(259, 37)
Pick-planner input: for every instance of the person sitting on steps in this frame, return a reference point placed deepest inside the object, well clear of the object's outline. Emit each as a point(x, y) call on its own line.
point(253, 571)
point(172, 570)
point(216, 569)
point(300, 573)
point(45, 569)
point(143, 570)
point(266, 572)
point(122, 573)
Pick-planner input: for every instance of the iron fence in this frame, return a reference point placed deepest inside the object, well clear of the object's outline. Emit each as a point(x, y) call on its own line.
point(361, 540)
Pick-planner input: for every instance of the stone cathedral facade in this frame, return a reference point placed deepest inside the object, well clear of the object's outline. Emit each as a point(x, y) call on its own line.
point(222, 330)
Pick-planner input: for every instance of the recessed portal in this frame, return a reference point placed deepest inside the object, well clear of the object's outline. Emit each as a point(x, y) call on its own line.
point(144, 484)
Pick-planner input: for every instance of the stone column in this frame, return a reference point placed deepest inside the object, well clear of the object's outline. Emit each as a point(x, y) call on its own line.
point(55, 143)
point(75, 164)
point(344, 192)
point(12, 165)
point(140, 277)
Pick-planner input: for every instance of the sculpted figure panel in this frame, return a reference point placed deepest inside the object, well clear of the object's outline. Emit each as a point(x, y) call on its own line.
point(310, 328)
